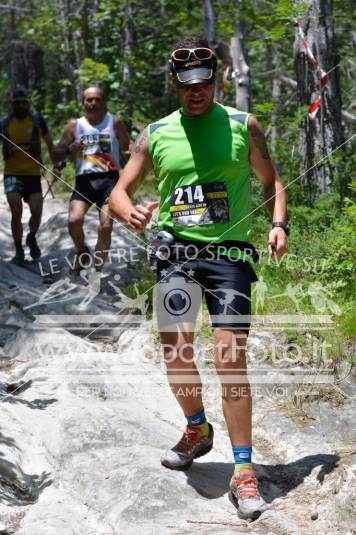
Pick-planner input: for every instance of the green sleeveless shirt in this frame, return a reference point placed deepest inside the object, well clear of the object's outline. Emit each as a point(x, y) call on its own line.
point(203, 169)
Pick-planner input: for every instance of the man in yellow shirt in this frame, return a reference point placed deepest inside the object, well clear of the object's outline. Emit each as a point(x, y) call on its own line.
point(20, 133)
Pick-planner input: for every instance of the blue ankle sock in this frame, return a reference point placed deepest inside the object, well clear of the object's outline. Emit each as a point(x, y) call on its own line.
point(242, 457)
point(199, 420)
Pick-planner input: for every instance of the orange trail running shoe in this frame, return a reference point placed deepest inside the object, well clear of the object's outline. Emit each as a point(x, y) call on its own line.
point(245, 496)
point(193, 444)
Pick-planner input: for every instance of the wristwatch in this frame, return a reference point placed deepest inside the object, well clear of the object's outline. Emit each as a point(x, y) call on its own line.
point(282, 224)
point(67, 150)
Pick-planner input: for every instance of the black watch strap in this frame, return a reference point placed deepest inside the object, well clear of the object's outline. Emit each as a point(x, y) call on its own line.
point(282, 224)
point(67, 150)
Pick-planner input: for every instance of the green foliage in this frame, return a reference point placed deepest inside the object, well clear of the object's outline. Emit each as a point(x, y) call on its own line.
point(350, 205)
point(93, 72)
point(323, 234)
point(265, 108)
point(321, 251)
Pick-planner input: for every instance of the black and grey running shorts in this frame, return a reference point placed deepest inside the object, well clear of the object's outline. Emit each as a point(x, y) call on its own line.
point(25, 185)
point(225, 283)
point(94, 188)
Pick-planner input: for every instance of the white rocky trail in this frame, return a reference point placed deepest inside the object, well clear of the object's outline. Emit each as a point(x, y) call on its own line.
point(86, 415)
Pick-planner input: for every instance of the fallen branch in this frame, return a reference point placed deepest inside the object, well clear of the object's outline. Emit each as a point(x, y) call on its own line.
point(216, 523)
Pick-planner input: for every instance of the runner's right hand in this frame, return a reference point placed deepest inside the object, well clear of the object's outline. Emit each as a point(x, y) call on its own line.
point(76, 146)
point(139, 216)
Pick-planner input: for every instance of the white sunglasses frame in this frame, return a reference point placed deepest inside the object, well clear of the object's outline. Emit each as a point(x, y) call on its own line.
point(192, 51)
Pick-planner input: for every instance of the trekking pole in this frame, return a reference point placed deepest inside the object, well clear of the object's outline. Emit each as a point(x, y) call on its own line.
point(51, 184)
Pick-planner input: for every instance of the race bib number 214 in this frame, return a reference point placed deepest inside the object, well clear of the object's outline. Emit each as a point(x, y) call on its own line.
point(199, 204)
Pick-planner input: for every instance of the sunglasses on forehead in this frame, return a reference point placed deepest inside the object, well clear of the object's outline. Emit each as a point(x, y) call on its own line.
point(183, 54)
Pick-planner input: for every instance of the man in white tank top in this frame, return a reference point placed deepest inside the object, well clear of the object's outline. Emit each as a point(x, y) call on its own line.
point(94, 140)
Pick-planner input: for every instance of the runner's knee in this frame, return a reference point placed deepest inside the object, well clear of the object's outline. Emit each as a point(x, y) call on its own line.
point(230, 350)
point(105, 227)
point(16, 211)
point(36, 213)
point(232, 357)
point(16, 208)
point(75, 219)
point(180, 355)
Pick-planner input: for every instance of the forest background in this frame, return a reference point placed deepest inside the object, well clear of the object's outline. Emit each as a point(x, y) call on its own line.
point(57, 48)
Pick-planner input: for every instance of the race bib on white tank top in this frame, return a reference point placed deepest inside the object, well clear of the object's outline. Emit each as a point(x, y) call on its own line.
point(100, 146)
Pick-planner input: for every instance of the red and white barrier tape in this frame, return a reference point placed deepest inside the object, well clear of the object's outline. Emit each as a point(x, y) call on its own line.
point(222, 85)
point(315, 104)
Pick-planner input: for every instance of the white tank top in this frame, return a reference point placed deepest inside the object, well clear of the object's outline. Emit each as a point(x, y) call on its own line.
point(100, 146)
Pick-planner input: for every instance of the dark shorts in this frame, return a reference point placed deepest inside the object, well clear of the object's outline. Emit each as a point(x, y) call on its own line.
point(225, 284)
point(94, 188)
point(22, 184)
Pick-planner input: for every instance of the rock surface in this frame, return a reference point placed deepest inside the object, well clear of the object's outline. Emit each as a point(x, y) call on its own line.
point(86, 413)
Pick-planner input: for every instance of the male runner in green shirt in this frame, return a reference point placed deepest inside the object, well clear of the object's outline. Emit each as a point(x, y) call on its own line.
point(201, 155)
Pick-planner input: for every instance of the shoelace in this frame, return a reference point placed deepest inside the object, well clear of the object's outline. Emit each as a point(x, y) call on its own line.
point(190, 438)
point(247, 487)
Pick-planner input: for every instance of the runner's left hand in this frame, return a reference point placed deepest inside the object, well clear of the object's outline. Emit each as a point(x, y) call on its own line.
point(277, 243)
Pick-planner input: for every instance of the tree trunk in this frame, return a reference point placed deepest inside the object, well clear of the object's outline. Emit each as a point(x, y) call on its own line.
point(96, 29)
point(37, 71)
point(74, 90)
point(84, 27)
point(241, 71)
point(277, 100)
point(19, 66)
point(209, 35)
point(129, 37)
point(347, 117)
point(277, 106)
point(319, 136)
point(209, 22)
